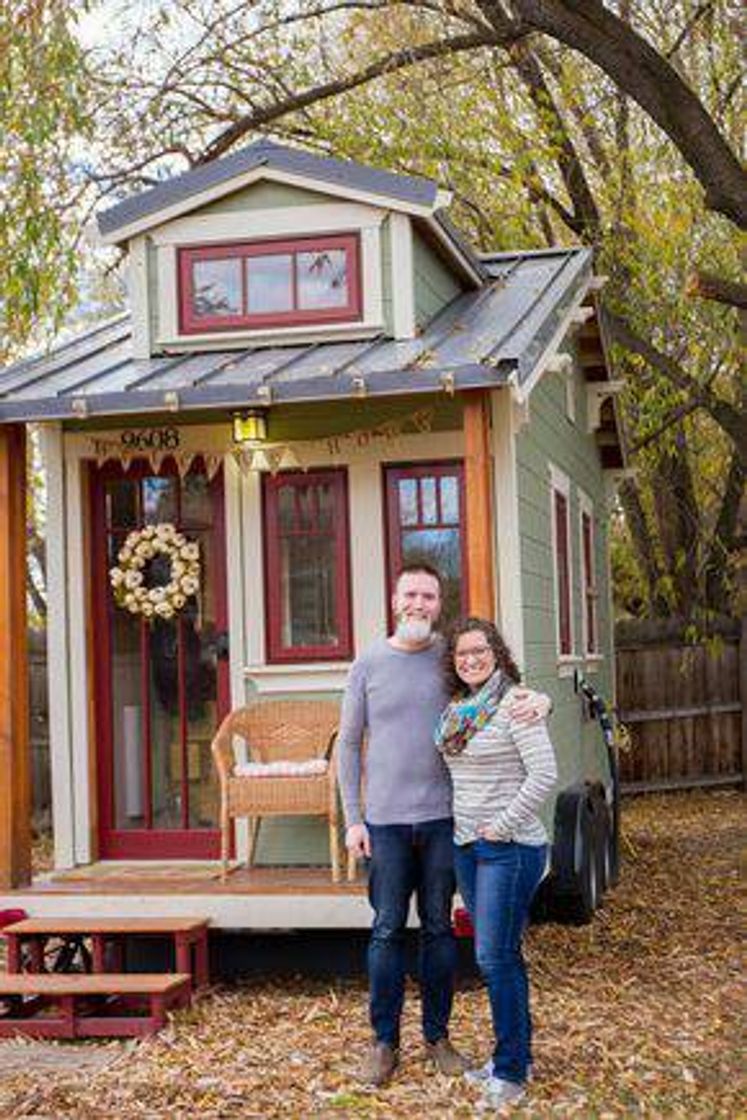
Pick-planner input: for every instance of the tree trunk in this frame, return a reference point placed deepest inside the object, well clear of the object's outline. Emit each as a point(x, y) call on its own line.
point(725, 542)
point(678, 520)
point(643, 546)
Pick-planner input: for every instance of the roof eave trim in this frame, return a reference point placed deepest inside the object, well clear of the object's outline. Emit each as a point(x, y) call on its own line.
point(380, 384)
point(117, 234)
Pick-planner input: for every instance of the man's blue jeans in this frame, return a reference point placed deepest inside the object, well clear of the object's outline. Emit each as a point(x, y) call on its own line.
point(408, 858)
point(497, 882)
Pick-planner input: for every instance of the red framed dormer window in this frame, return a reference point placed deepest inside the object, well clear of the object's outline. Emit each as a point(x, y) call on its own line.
point(270, 283)
point(307, 566)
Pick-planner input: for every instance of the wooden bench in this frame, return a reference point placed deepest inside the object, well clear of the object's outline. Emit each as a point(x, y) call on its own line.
point(189, 935)
point(34, 993)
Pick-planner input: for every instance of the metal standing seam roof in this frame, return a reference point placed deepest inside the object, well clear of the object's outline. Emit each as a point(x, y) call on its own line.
point(481, 339)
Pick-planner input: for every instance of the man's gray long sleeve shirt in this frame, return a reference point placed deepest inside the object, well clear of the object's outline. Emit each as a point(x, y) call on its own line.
point(393, 699)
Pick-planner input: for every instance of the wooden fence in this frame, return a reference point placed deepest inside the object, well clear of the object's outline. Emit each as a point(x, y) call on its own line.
point(685, 706)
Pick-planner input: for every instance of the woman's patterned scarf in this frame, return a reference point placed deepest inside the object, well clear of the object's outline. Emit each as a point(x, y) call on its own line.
point(464, 717)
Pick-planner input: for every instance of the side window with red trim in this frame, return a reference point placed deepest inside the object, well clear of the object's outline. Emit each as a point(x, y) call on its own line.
point(307, 566)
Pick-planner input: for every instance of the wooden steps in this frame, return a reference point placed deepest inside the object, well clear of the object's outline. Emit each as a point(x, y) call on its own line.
point(107, 935)
point(100, 1002)
point(35, 992)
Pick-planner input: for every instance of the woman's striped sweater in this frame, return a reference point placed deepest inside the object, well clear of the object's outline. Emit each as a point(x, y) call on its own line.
point(501, 778)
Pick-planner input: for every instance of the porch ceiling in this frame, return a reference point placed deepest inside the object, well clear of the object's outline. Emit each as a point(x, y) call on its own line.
point(480, 340)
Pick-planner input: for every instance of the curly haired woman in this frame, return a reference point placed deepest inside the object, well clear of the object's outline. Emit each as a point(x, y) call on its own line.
point(502, 771)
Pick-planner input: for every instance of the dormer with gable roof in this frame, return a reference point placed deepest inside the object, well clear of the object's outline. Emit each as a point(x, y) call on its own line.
point(274, 245)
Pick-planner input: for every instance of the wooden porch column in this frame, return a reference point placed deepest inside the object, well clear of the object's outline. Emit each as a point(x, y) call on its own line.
point(15, 762)
point(479, 503)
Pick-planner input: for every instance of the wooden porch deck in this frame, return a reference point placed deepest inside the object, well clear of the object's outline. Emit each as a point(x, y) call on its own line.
point(259, 898)
point(128, 878)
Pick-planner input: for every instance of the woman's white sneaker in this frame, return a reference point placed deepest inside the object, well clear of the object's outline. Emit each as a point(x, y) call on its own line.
point(480, 1075)
point(497, 1092)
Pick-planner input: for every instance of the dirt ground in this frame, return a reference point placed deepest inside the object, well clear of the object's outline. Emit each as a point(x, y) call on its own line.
point(637, 1015)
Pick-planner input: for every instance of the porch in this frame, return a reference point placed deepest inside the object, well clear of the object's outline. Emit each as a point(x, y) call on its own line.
point(256, 898)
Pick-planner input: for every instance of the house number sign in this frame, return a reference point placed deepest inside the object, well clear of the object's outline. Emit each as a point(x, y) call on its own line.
point(150, 439)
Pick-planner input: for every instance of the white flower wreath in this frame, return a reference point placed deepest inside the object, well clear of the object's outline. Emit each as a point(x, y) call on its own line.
point(128, 579)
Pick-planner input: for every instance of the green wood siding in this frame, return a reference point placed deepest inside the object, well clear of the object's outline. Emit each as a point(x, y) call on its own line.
point(435, 284)
point(551, 438)
point(265, 196)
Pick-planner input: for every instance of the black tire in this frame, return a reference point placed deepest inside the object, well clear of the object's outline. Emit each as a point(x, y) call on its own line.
point(574, 890)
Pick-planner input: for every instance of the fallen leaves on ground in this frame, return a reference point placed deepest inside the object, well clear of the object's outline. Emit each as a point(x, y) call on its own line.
point(636, 1015)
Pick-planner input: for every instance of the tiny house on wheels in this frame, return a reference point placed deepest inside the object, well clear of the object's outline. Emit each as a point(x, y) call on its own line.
point(317, 381)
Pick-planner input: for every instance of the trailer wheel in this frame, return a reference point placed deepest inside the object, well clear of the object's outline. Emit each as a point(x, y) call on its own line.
point(576, 884)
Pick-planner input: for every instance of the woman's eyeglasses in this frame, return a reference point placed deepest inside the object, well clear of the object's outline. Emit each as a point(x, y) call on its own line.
point(477, 653)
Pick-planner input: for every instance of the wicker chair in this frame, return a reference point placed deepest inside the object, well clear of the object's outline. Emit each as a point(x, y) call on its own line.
point(288, 731)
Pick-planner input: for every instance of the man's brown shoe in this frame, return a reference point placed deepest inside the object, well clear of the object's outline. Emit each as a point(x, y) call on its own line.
point(446, 1058)
point(381, 1062)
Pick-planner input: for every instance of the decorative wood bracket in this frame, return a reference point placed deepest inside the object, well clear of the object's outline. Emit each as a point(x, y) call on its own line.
point(597, 392)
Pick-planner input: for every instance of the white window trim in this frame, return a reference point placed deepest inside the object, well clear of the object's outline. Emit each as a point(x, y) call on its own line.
point(561, 483)
point(586, 506)
point(296, 221)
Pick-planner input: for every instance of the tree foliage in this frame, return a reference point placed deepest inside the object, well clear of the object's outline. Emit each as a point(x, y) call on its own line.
point(44, 118)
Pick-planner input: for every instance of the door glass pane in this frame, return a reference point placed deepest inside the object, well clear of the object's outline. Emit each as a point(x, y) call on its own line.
point(307, 591)
point(408, 501)
point(326, 507)
point(165, 731)
point(199, 630)
point(305, 498)
point(428, 501)
point(269, 283)
point(449, 500)
point(128, 731)
point(160, 499)
point(196, 504)
point(286, 507)
point(121, 504)
point(442, 549)
point(216, 288)
point(322, 279)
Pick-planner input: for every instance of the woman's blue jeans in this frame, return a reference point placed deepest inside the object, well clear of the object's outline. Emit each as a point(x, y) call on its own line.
point(407, 859)
point(497, 882)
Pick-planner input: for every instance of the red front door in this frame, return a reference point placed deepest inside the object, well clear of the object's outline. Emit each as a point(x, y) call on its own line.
point(161, 685)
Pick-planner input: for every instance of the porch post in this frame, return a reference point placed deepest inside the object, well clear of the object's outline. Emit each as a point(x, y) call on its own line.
point(15, 762)
point(478, 500)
